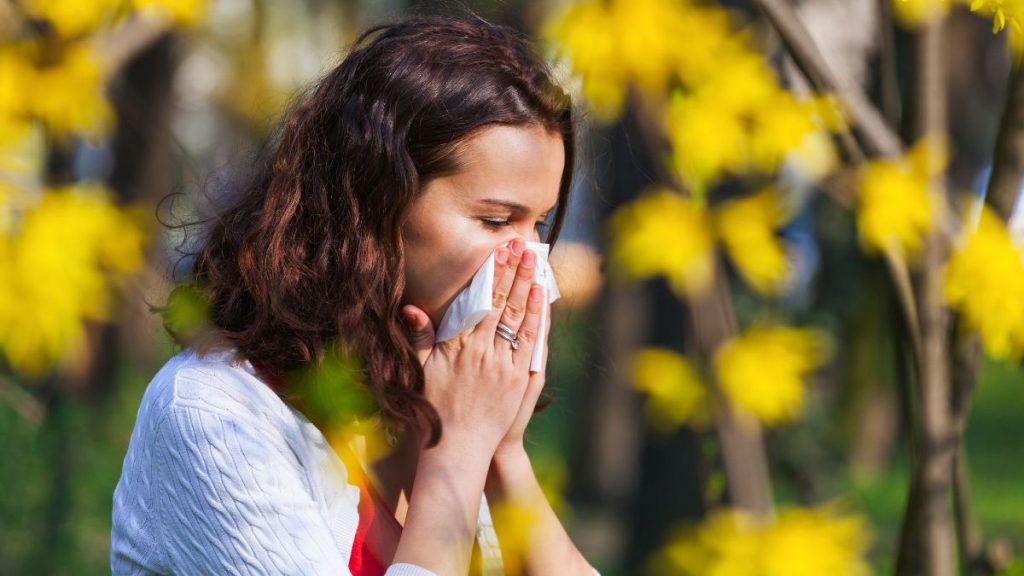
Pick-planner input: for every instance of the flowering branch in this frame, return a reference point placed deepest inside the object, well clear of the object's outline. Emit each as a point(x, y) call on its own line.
point(879, 138)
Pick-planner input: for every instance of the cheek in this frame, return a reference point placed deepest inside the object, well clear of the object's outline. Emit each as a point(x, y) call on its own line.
point(466, 256)
point(441, 261)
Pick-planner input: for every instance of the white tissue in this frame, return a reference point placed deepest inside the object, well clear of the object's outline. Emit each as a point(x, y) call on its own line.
point(474, 303)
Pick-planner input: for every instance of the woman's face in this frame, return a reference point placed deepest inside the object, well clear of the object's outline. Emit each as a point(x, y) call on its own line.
point(507, 185)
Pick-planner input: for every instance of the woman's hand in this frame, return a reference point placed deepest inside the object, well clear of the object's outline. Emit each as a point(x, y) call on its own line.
point(509, 279)
point(479, 385)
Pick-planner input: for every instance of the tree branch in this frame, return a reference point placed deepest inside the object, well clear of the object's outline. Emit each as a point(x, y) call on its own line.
point(879, 139)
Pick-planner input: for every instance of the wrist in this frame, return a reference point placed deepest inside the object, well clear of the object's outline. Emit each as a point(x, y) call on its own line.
point(508, 474)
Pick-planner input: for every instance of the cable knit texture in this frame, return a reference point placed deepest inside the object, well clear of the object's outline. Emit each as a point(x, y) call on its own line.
point(223, 477)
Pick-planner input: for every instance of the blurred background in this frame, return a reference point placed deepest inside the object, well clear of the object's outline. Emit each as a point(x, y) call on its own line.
point(792, 277)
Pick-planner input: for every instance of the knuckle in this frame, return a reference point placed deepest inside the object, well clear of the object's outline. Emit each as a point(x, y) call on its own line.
point(514, 311)
point(527, 334)
point(499, 299)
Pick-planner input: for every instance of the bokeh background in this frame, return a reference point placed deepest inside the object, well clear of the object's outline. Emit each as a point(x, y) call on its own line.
point(792, 321)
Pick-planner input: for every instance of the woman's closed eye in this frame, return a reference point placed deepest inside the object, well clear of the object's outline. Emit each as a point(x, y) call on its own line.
point(498, 223)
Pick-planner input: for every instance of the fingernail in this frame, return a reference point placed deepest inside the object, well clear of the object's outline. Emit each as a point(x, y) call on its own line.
point(517, 247)
point(501, 256)
point(535, 292)
point(529, 259)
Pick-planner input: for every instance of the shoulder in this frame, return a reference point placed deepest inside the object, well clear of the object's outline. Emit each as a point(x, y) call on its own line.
point(215, 382)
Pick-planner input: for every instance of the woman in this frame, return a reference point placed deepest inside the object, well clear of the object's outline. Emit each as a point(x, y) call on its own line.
point(436, 142)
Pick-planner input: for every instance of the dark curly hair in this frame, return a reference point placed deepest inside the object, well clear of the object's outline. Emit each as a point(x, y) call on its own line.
point(310, 255)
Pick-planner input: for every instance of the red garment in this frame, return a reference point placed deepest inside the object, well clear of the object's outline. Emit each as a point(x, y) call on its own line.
point(379, 531)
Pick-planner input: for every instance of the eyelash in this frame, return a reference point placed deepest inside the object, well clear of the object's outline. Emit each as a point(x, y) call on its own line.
point(497, 224)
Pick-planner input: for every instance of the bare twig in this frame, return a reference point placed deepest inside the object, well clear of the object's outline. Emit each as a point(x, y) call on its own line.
point(130, 39)
point(1008, 161)
point(879, 139)
point(746, 465)
point(926, 545)
point(888, 81)
point(882, 139)
point(24, 403)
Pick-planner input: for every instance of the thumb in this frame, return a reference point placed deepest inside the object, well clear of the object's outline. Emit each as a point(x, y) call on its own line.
point(420, 330)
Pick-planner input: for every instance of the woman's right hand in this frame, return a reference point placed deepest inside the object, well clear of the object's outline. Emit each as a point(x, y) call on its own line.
point(476, 381)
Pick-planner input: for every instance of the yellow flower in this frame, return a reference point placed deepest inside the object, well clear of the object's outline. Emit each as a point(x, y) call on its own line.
point(675, 394)
point(585, 34)
point(815, 541)
point(725, 544)
point(708, 139)
point(68, 96)
point(762, 371)
point(15, 74)
point(1002, 11)
point(611, 44)
point(515, 523)
point(707, 30)
point(71, 18)
point(801, 542)
point(663, 234)
point(183, 12)
point(897, 206)
point(984, 282)
point(740, 119)
point(648, 40)
point(912, 13)
point(747, 228)
point(780, 128)
point(58, 269)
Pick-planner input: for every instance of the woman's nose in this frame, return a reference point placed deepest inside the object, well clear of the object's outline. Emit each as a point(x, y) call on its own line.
point(528, 234)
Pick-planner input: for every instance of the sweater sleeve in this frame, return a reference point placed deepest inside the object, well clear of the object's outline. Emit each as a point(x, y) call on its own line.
point(233, 500)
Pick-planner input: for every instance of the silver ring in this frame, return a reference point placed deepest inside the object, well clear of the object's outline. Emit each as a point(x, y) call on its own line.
point(505, 332)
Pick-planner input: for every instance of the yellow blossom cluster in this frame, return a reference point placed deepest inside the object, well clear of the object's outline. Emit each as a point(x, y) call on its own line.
point(897, 203)
point(727, 113)
point(614, 43)
point(73, 18)
point(984, 282)
point(61, 81)
point(59, 268)
point(741, 120)
point(763, 370)
point(675, 394)
point(66, 94)
point(747, 227)
point(180, 12)
point(800, 542)
point(762, 373)
point(666, 234)
point(913, 13)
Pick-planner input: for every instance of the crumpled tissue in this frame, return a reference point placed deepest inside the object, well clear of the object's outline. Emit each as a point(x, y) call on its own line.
point(475, 301)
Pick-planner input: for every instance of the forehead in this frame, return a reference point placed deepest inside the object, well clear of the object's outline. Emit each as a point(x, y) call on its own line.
point(521, 164)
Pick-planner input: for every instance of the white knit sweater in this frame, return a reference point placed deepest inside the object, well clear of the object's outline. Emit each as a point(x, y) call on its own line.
point(223, 477)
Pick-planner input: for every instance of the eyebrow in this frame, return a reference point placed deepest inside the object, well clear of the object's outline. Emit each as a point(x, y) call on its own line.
point(515, 207)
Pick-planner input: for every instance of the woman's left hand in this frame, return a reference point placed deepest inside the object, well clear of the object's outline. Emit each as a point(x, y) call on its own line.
point(505, 284)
